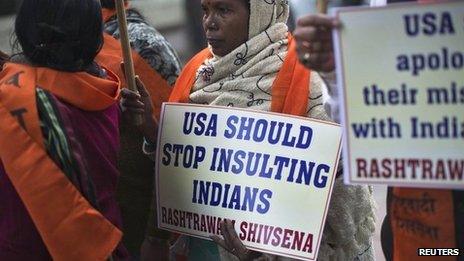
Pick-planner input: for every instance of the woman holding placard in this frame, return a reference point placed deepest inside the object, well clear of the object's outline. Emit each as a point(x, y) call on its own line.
point(250, 49)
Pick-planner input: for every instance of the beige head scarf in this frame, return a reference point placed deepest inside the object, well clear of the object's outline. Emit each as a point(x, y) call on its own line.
point(266, 13)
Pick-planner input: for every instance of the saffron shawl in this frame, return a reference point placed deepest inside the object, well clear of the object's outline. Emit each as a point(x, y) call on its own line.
point(45, 173)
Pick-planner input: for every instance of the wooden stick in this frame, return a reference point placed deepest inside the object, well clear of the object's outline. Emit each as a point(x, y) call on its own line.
point(322, 6)
point(127, 53)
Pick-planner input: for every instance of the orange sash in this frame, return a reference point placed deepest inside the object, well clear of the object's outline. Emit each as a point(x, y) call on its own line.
point(421, 218)
point(69, 226)
point(111, 57)
point(290, 89)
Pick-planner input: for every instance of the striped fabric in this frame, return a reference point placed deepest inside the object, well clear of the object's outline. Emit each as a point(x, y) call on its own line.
point(57, 144)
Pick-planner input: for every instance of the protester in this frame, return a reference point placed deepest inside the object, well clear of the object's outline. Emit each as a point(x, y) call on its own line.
point(59, 120)
point(146, 41)
point(157, 65)
point(251, 63)
point(314, 39)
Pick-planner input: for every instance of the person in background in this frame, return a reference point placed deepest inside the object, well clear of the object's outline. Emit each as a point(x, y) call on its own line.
point(59, 119)
point(314, 44)
point(251, 62)
point(157, 65)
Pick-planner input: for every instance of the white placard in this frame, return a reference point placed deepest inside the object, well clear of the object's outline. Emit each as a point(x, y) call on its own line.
point(272, 174)
point(402, 94)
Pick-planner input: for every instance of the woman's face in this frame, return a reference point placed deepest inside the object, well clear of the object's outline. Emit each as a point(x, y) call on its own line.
point(226, 24)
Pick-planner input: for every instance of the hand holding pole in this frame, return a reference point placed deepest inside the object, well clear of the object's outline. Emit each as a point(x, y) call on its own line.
point(129, 71)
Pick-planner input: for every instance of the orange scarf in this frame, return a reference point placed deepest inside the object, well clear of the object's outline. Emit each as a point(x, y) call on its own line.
point(289, 90)
point(69, 226)
point(111, 57)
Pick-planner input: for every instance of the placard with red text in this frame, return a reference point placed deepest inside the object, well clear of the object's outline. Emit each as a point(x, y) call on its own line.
point(271, 174)
point(401, 80)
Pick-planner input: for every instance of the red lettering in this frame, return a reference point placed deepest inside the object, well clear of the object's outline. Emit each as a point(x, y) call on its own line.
point(440, 170)
point(374, 168)
point(196, 221)
point(189, 217)
point(387, 172)
point(163, 215)
point(309, 244)
point(286, 240)
point(170, 216)
point(267, 233)
point(260, 232)
point(400, 168)
point(176, 217)
point(427, 169)
point(243, 227)
point(298, 240)
point(182, 219)
point(203, 223)
point(276, 241)
point(362, 167)
point(456, 169)
point(414, 163)
point(211, 224)
point(252, 233)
